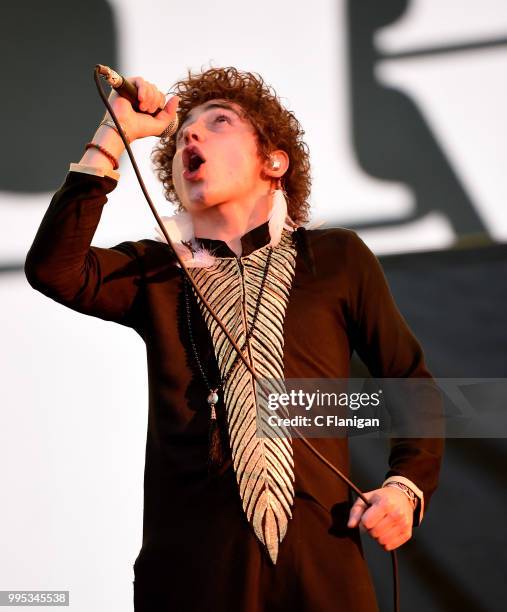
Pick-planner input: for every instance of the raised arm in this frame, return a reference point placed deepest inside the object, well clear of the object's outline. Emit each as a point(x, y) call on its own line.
point(61, 262)
point(62, 265)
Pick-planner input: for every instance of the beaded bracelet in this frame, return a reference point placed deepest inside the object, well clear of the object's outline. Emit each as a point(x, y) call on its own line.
point(110, 157)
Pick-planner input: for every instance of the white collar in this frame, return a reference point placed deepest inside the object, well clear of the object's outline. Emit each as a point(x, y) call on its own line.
point(180, 229)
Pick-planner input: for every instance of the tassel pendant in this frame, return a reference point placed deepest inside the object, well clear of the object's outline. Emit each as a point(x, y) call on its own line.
point(214, 447)
point(212, 401)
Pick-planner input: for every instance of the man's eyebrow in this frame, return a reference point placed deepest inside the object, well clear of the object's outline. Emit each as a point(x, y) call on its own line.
point(213, 105)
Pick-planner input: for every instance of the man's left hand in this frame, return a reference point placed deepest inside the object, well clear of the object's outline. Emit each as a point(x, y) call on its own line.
point(388, 520)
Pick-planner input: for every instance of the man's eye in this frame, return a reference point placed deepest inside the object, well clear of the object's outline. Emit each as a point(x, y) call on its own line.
point(218, 118)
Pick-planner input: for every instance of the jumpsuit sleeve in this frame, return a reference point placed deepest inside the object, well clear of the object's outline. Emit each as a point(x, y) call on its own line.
point(389, 349)
point(62, 264)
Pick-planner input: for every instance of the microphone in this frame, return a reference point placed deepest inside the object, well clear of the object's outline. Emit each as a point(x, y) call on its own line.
point(128, 90)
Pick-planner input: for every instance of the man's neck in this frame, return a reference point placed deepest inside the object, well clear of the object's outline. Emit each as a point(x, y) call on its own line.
point(232, 220)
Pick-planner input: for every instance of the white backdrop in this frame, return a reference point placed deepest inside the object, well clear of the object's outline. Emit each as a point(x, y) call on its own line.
point(74, 389)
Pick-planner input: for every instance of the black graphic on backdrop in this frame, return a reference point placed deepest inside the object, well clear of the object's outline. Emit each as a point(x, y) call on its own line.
point(391, 138)
point(48, 109)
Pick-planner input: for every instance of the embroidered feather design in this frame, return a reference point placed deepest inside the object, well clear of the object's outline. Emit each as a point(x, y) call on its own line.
point(264, 466)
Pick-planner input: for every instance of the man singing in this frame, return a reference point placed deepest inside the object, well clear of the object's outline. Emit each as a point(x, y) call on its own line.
point(236, 522)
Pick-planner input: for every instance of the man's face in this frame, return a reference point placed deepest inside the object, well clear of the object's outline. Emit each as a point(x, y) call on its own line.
point(231, 169)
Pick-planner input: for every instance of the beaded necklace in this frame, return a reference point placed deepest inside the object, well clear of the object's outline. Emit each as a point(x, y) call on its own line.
point(214, 458)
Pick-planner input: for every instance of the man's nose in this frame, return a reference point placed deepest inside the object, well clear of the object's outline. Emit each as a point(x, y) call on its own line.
point(191, 133)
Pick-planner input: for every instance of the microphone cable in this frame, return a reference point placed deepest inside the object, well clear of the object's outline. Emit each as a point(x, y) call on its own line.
point(96, 74)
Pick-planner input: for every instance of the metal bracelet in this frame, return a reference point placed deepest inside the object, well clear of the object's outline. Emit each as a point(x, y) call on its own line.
point(407, 490)
point(110, 123)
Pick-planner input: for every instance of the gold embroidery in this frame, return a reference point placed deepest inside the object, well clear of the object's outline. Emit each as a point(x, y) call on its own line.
point(264, 466)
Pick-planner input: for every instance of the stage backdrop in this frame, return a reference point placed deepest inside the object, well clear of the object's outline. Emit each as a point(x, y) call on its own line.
point(403, 103)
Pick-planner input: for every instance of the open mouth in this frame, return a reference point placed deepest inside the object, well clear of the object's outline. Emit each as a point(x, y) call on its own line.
point(192, 161)
point(195, 162)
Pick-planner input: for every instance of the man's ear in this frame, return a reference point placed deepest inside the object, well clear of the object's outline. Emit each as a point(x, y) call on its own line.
point(276, 164)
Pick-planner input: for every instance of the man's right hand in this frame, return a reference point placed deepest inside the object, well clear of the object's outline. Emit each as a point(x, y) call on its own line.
point(141, 124)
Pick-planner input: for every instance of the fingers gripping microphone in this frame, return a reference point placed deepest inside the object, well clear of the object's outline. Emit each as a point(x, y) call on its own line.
point(128, 90)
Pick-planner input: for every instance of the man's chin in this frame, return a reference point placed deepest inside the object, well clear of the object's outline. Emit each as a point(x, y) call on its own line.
point(196, 199)
point(201, 200)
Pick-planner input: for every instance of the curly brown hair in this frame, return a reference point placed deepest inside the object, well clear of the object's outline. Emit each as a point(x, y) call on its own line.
point(276, 128)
